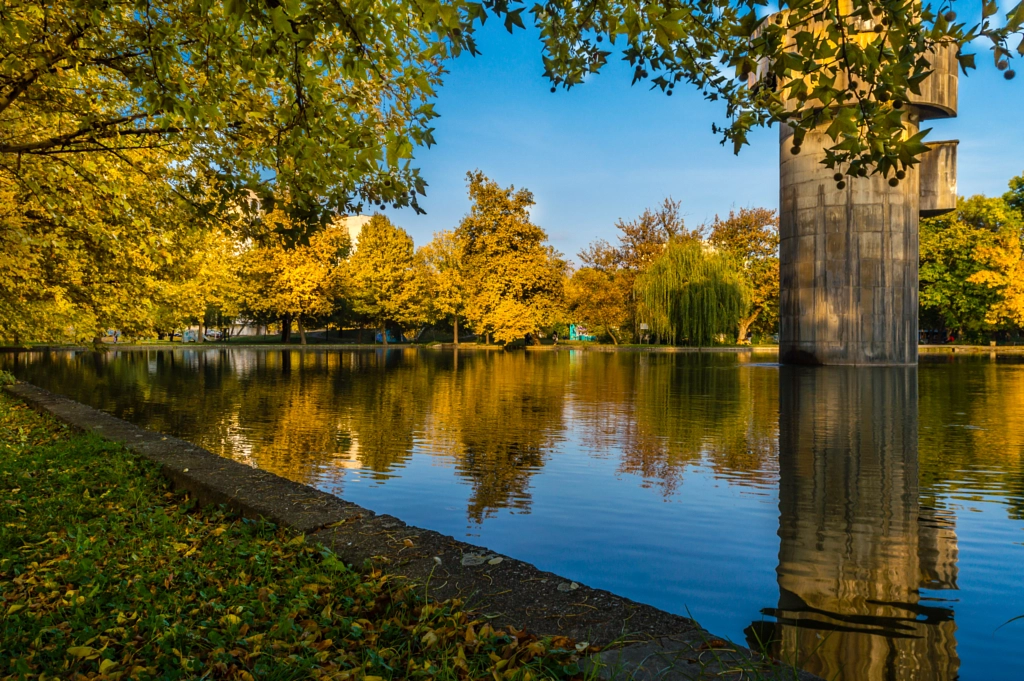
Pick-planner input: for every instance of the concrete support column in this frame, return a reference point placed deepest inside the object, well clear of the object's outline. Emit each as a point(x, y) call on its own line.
point(848, 259)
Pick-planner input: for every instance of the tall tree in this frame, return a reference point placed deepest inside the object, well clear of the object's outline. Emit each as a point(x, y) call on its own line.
point(515, 283)
point(692, 294)
point(751, 237)
point(389, 278)
point(641, 242)
point(204, 286)
point(599, 299)
point(79, 259)
point(443, 256)
point(971, 267)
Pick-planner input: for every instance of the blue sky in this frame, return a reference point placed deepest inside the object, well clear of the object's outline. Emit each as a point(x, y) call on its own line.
point(606, 150)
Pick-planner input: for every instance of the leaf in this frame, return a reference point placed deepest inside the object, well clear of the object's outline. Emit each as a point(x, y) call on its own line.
point(81, 651)
point(17, 607)
point(107, 665)
point(514, 18)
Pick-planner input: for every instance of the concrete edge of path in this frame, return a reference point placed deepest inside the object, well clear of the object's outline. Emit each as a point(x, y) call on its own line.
point(658, 644)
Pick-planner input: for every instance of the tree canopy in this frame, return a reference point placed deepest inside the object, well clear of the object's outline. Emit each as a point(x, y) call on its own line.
point(389, 278)
point(692, 294)
point(972, 266)
point(751, 237)
point(515, 281)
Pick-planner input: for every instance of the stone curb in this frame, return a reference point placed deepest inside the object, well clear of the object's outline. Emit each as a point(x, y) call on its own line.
point(507, 591)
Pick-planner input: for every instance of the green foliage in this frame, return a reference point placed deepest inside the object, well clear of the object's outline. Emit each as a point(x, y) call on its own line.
point(516, 283)
point(641, 241)
point(692, 294)
point(104, 569)
point(847, 66)
point(972, 267)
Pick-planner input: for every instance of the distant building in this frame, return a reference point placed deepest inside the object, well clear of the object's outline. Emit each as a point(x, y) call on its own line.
point(354, 225)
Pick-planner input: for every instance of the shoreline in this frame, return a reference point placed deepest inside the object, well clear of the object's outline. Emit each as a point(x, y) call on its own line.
point(475, 347)
point(506, 590)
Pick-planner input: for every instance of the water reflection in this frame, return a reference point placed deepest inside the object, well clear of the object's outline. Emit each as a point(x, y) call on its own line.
point(856, 544)
point(664, 477)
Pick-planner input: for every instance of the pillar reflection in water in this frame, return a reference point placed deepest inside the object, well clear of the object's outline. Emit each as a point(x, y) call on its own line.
point(856, 545)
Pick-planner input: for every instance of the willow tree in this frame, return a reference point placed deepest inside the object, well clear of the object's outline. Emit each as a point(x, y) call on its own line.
point(692, 294)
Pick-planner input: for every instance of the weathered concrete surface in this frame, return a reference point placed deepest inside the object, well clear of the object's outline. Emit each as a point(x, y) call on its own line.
point(505, 590)
point(938, 179)
point(848, 262)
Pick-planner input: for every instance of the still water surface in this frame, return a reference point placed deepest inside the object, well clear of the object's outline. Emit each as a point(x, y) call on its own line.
point(868, 521)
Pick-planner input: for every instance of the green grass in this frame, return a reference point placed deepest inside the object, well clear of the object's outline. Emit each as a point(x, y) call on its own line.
point(106, 573)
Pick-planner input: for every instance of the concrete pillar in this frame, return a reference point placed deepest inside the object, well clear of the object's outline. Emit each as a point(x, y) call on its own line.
point(849, 257)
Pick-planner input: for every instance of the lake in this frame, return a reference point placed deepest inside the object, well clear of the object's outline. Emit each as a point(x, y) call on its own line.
point(867, 523)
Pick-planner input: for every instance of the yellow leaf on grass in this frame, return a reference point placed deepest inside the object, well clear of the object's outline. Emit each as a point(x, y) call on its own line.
point(15, 608)
point(81, 651)
point(107, 665)
point(230, 620)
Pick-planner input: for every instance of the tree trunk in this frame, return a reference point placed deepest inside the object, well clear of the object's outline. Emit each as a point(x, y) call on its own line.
point(456, 318)
point(361, 330)
point(97, 342)
point(612, 334)
point(200, 336)
point(286, 328)
point(384, 333)
point(488, 338)
point(327, 333)
point(741, 336)
point(302, 331)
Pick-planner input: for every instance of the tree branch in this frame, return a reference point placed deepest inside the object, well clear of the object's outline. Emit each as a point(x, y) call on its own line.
point(101, 130)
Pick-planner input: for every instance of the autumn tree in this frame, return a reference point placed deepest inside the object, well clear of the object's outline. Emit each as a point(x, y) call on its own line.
point(303, 282)
point(78, 259)
point(390, 281)
point(448, 294)
point(204, 286)
point(515, 283)
point(972, 266)
point(599, 299)
point(641, 241)
point(751, 237)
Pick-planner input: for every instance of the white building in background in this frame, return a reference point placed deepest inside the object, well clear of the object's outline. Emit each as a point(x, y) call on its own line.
point(354, 225)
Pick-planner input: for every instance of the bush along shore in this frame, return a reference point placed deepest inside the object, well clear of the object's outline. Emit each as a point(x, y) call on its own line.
point(106, 573)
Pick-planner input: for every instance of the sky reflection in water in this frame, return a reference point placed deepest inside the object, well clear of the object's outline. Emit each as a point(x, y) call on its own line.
point(866, 521)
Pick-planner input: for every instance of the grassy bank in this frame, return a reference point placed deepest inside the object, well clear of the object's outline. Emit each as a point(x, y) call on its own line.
point(107, 573)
